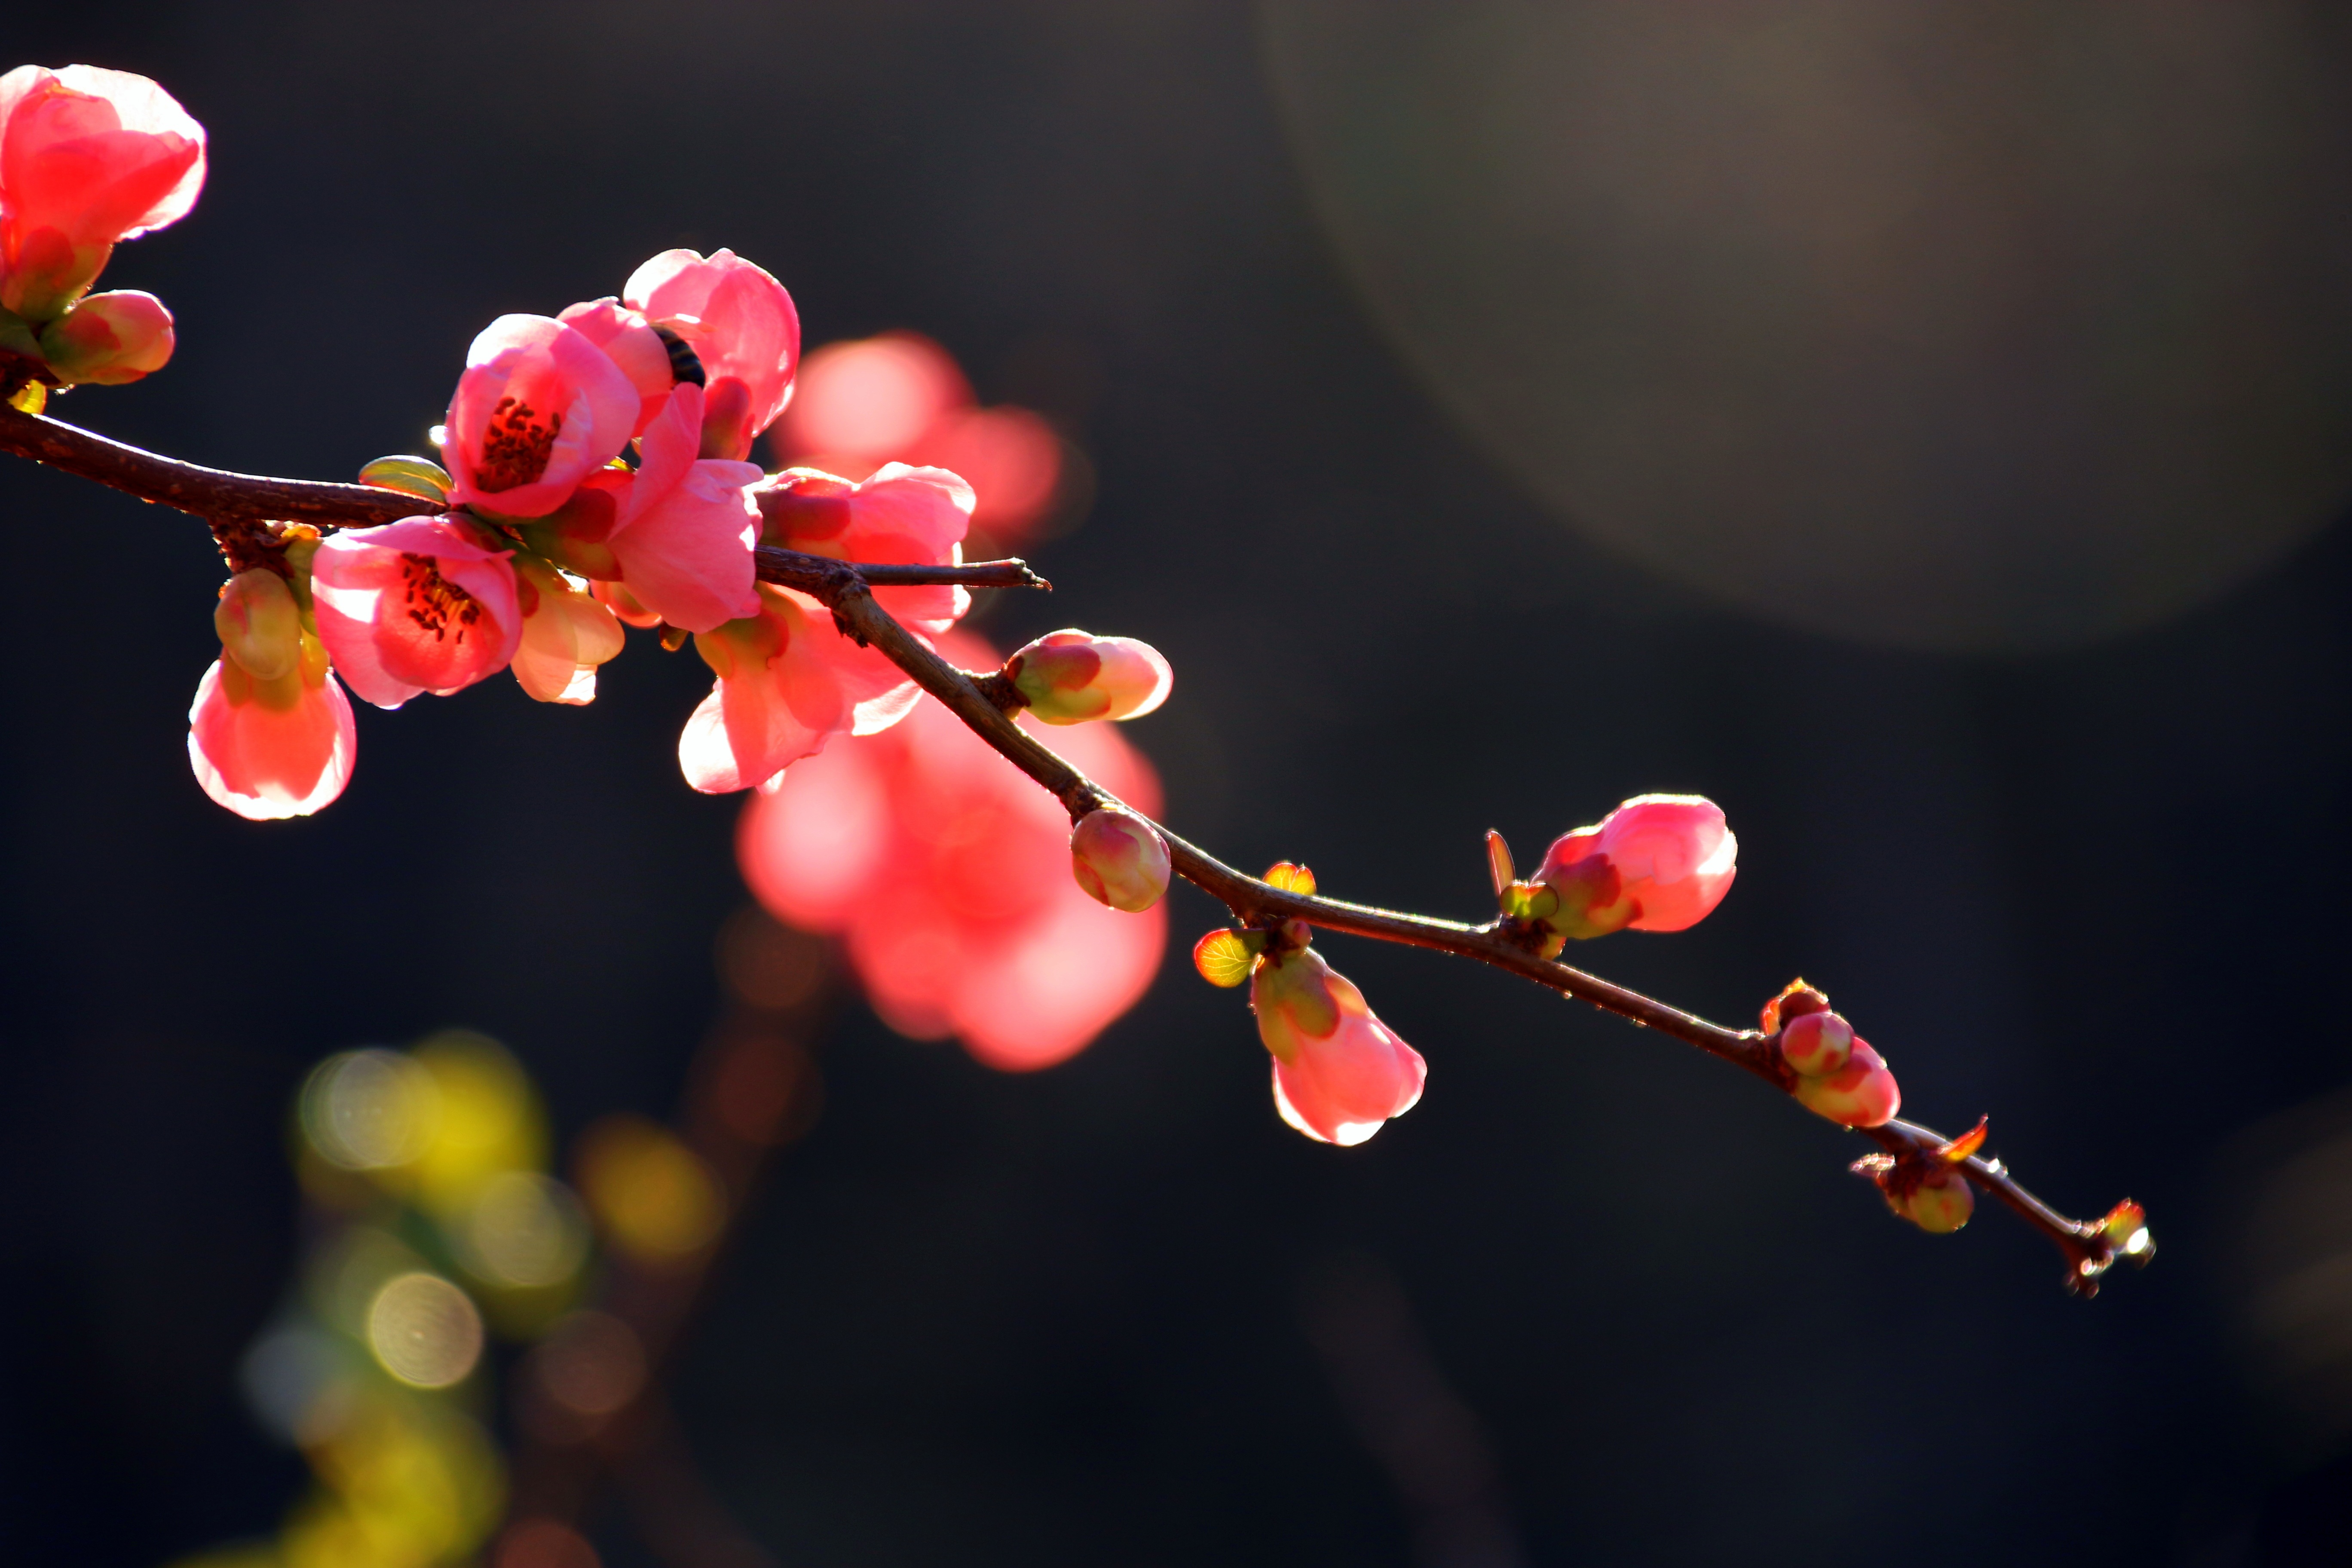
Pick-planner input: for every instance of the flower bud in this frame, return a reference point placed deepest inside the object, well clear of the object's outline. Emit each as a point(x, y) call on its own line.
point(1119, 859)
point(109, 340)
point(1939, 1204)
point(1796, 999)
point(259, 624)
point(1069, 676)
point(1340, 1074)
point(1816, 1044)
point(1862, 1093)
point(1658, 862)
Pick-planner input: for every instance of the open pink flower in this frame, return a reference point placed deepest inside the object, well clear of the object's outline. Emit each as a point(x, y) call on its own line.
point(741, 325)
point(788, 682)
point(566, 633)
point(270, 734)
point(1659, 862)
point(899, 516)
point(1340, 1074)
point(947, 872)
point(683, 535)
point(421, 604)
point(630, 344)
point(87, 157)
point(538, 408)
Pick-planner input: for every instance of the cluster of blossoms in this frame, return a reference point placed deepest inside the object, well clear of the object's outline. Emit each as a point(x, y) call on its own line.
point(89, 158)
point(596, 473)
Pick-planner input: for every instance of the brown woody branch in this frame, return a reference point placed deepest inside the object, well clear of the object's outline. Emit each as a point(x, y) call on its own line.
point(847, 589)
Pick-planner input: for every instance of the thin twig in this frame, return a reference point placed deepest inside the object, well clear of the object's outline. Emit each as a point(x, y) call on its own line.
point(847, 589)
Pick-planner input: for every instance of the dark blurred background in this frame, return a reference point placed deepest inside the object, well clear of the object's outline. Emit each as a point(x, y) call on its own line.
point(1918, 433)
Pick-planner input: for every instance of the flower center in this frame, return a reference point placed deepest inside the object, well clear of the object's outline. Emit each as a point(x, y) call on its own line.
point(436, 604)
point(515, 446)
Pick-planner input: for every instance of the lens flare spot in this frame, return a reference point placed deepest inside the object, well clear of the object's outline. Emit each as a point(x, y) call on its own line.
point(525, 1230)
point(424, 1331)
point(651, 1193)
point(369, 1110)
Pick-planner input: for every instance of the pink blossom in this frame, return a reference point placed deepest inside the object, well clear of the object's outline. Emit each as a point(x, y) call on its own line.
point(683, 533)
point(630, 344)
point(421, 604)
point(539, 409)
point(742, 327)
point(566, 633)
point(788, 682)
point(1659, 862)
point(1339, 1073)
point(946, 873)
point(1070, 677)
point(88, 157)
point(1119, 859)
point(899, 516)
point(270, 733)
point(109, 340)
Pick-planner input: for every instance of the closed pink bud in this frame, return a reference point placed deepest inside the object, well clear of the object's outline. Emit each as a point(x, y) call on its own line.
point(1119, 859)
point(272, 748)
point(540, 408)
point(259, 622)
point(1862, 1093)
point(87, 157)
point(742, 327)
point(1817, 1044)
point(1069, 676)
point(566, 635)
point(420, 604)
point(109, 340)
point(1939, 1204)
point(1339, 1073)
point(1665, 861)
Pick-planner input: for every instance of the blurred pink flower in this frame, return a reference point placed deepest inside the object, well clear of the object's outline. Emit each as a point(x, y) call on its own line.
point(683, 535)
point(538, 408)
point(1658, 862)
point(1339, 1073)
point(87, 157)
point(901, 397)
point(946, 873)
point(742, 327)
point(415, 606)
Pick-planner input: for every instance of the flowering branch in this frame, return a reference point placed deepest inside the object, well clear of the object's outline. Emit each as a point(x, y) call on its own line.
point(1915, 1160)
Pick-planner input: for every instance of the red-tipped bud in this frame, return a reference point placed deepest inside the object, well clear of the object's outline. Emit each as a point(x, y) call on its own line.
point(1339, 1073)
point(259, 624)
point(1119, 859)
point(1659, 862)
point(109, 340)
point(1069, 676)
point(1860, 1094)
point(1796, 1000)
point(1817, 1044)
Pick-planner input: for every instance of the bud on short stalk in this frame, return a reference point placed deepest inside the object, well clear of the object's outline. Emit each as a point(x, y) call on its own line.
point(109, 340)
point(1119, 859)
point(1070, 677)
point(1939, 1204)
